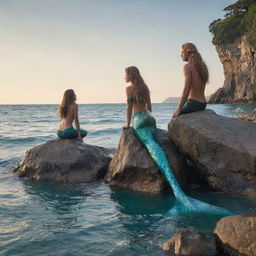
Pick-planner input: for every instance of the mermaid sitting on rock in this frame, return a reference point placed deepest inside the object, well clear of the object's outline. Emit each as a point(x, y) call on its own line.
point(144, 125)
point(68, 112)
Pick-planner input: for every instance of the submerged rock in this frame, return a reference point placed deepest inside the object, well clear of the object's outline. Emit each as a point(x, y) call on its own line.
point(222, 149)
point(249, 117)
point(133, 168)
point(64, 160)
point(191, 242)
point(236, 235)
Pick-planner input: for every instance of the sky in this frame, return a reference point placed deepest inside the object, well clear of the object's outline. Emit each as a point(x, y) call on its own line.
point(48, 46)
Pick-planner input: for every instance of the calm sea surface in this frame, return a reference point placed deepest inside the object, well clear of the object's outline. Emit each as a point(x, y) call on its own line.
point(48, 218)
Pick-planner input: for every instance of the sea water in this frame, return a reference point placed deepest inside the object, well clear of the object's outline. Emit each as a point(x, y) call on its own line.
point(51, 218)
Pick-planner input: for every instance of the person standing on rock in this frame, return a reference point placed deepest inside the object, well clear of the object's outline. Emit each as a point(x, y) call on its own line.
point(68, 112)
point(196, 76)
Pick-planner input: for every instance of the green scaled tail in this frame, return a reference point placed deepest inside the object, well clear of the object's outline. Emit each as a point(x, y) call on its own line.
point(144, 127)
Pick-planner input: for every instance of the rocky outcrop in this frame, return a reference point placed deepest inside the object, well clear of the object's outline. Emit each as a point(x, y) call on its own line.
point(239, 63)
point(64, 160)
point(249, 117)
point(133, 168)
point(191, 242)
point(236, 235)
point(222, 149)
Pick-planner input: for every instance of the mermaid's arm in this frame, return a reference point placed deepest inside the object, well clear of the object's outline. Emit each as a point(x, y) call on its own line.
point(77, 121)
point(128, 108)
point(149, 106)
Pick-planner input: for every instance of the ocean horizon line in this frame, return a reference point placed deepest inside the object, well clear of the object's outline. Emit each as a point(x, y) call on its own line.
point(52, 104)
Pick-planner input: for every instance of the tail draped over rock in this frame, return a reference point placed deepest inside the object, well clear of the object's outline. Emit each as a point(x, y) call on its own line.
point(144, 127)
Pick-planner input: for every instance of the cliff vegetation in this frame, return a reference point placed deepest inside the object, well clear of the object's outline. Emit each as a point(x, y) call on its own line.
point(239, 20)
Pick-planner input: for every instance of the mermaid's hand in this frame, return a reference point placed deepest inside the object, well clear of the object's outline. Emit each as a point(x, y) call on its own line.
point(126, 126)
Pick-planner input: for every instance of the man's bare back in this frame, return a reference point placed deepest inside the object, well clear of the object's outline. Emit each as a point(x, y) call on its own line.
point(197, 88)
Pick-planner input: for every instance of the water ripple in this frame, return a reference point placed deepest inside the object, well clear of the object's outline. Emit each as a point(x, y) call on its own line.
point(36, 217)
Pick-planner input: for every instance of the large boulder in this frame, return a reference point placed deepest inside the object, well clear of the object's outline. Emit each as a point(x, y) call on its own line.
point(236, 235)
point(191, 242)
point(64, 160)
point(133, 168)
point(222, 149)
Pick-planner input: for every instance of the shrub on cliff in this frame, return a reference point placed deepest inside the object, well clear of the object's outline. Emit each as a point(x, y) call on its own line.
point(249, 22)
point(240, 19)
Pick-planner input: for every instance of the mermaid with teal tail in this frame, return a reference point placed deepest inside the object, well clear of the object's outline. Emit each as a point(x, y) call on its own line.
point(68, 112)
point(144, 126)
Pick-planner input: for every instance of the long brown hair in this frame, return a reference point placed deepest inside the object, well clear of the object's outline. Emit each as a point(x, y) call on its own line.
point(141, 91)
point(68, 99)
point(192, 53)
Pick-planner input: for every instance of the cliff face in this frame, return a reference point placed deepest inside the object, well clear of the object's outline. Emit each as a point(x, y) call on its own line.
point(239, 63)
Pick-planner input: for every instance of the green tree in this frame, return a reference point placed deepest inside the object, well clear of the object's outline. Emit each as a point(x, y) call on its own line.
point(240, 19)
point(239, 8)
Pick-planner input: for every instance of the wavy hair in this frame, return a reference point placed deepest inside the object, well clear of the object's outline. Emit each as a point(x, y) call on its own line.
point(141, 90)
point(194, 56)
point(68, 99)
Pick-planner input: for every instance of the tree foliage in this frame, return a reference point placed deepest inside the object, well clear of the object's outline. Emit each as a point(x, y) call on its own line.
point(240, 19)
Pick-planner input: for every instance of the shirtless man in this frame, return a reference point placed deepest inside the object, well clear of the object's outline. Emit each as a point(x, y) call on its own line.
point(196, 76)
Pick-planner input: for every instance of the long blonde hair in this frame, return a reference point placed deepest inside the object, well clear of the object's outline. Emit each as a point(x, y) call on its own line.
point(141, 91)
point(192, 53)
point(68, 99)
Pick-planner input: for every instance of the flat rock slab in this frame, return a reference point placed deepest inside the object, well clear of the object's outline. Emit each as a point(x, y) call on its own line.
point(222, 149)
point(190, 242)
point(64, 160)
point(133, 168)
point(236, 235)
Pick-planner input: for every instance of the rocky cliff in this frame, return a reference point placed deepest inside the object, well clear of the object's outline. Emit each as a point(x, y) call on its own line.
point(239, 63)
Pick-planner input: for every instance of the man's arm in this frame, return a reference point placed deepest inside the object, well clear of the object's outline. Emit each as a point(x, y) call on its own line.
point(186, 89)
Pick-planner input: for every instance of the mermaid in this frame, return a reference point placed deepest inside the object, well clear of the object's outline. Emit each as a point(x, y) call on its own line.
point(68, 112)
point(144, 125)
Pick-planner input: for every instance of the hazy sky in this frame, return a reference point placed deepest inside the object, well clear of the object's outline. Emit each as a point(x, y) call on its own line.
point(48, 46)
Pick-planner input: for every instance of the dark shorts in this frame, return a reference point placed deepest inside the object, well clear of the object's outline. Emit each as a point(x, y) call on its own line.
point(70, 133)
point(192, 106)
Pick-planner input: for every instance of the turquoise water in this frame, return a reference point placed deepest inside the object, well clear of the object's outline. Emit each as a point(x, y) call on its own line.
point(48, 218)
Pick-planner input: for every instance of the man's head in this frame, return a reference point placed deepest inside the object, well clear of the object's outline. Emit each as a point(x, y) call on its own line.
point(190, 53)
point(187, 50)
